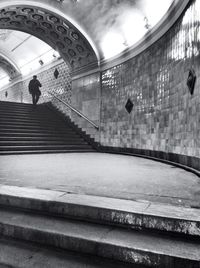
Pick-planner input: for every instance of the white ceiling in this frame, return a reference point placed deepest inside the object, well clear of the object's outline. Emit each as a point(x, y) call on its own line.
point(24, 51)
point(112, 25)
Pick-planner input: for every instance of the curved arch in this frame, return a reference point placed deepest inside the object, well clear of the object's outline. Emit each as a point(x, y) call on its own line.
point(54, 28)
point(9, 66)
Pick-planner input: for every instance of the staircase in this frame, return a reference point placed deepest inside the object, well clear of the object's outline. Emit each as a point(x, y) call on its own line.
point(52, 229)
point(28, 129)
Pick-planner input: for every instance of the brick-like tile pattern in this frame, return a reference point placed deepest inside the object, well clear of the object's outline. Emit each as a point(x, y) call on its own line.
point(86, 99)
point(165, 116)
point(62, 86)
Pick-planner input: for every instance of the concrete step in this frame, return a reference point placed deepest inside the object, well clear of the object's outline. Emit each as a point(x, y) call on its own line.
point(13, 103)
point(30, 119)
point(20, 254)
point(34, 128)
point(8, 104)
point(100, 240)
point(31, 129)
point(139, 215)
point(42, 143)
point(44, 135)
point(31, 112)
point(48, 151)
point(22, 109)
point(34, 124)
point(7, 139)
point(44, 147)
point(37, 130)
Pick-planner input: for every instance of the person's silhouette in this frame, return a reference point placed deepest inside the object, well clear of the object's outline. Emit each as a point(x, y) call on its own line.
point(34, 90)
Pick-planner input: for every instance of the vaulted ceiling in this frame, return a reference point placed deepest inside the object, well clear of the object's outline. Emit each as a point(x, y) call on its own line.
point(82, 31)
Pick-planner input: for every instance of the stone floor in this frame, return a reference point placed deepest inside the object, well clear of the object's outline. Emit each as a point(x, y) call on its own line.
point(118, 176)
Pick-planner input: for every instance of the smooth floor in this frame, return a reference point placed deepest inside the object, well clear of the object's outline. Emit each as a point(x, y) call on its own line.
point(100, 174)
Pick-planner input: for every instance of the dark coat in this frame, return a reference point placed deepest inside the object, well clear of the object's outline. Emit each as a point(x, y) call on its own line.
point(34, 86)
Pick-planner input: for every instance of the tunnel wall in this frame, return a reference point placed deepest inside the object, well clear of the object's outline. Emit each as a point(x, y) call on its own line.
point(18, 92)
point(164, 122)
point(165, 118)
point(86, 98)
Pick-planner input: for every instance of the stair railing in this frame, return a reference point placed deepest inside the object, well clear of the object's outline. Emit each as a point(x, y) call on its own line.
point(74, 110)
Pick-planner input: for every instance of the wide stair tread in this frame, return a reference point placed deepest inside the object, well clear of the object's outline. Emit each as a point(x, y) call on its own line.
point(101, 240)
point(103, 227)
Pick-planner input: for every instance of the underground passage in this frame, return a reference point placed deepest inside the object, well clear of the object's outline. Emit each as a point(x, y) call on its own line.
point(99, 133)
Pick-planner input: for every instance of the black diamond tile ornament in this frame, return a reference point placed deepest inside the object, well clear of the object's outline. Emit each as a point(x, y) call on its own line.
point(129, 106)
point(56, 73)
point(191, 80)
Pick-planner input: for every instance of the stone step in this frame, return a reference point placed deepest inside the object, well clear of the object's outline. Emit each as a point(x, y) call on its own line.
point(139, 215)
point(20, 134)
point(21, 254)
point(32, 124)
point(31, 112)
point(14, 104)
point(18, 104)
point(42, 142)
point(8, 104)
point(44, 147)
point(34, 128)
point(22, 109)
point(13, 139)
point(26, 120)
point(100, 240)
point(37, 130)
point(48, 151)
point(30, 119)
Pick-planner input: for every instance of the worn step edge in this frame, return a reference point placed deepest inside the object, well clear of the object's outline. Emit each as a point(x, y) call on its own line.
point(99, 240)
point(126, 213)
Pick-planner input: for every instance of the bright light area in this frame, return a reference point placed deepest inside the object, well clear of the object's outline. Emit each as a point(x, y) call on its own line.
point(27, 51)
point(34, 65)
point(113, 43)
point(4, 78)
point(4, 81)
point(155, 10)
point(132, 26)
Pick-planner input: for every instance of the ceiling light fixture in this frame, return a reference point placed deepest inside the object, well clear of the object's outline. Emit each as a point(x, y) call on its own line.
point(147, 25)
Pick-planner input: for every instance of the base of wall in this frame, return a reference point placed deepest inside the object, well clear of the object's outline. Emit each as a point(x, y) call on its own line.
point(188, 163)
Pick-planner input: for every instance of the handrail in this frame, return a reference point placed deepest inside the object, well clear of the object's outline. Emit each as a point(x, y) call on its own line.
point(75, 110)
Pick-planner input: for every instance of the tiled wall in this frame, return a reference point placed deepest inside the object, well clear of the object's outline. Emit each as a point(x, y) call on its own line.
point(13, 93)
point(86, 98)
point(165, 116)
point(62, 86)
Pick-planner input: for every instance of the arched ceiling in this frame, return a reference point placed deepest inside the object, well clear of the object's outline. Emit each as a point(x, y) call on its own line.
point(25, 50)
point(82, 31)
point(8, 67)
point(53, 29)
